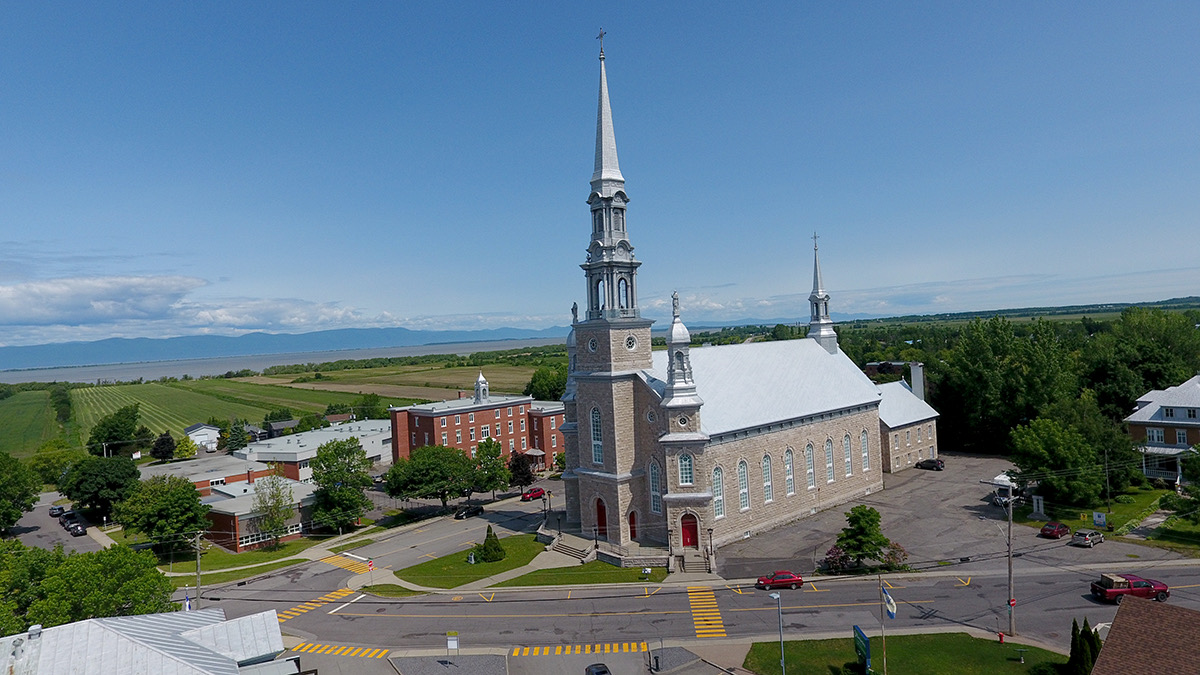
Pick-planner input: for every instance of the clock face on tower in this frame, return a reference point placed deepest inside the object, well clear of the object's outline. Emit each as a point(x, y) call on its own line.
point(631, 343)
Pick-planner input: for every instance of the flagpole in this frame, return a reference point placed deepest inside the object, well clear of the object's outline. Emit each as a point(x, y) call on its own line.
point(882, 632)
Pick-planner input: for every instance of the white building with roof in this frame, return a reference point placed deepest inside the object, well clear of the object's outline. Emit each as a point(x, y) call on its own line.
point(202, 642)
point(684, 448)
point(908, 426)
point(1166, 428)
point(294, 451)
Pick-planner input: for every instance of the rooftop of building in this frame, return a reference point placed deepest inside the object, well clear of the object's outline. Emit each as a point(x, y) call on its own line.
point(203, 467)
point(304, 444)
point(900, 407)
point(238, 499)
point(468, 404)
point(1150, 638)
point(1179, 398)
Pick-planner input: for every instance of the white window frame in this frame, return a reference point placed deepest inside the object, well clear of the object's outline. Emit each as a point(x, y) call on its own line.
point(743, 475)
point(443, 421)
point(655, 489)
point(808, 466)
point(789, 460)
point(472, 433)
point(445, 438)
point(1154, 435)
point(768, 490)
point(597, 438)
point(487, 431)
point(1181, 437)
point(866, 451)
point(718, 488)
point(686, 470)
point(1168, 413)
point(828, 460)
point(458, 435)
point(847, 452)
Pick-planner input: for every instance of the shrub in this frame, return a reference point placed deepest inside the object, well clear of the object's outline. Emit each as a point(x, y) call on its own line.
point(490, 550)
point(894, 556)
point(836, 560)
point(1124, 499)
point(1173, 502)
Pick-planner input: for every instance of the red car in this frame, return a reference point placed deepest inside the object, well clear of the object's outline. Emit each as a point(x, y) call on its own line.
point(532, 493)
point(780, 579)
point(1053, 530)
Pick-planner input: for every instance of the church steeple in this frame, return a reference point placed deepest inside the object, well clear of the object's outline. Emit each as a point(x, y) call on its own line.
point(611, 268)
point(681, 385)
point(820, 326)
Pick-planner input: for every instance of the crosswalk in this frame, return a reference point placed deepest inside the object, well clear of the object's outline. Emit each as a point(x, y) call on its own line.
point(345, 563)
point(296, 611)
point(705, 613)
point(339, 650)
point(596, 648)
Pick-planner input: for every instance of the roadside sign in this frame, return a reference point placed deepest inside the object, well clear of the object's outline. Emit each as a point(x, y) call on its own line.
point(1099, 519)
point(1012, 602)
point(862, 647)
point(370, 565)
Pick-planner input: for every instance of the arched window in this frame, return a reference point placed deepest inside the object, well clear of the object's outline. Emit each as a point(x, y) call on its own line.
point(685, 469)
point(828, 460)
point(768, 491)
point(789, 472)
point(808, 465)
point(865, 453)
point(718, 488)
point(846, 454)
point(597, 438)
point(743, 485)
point(623, 293)
point(655, 489)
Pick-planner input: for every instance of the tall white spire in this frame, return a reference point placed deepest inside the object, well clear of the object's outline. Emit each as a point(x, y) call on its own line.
point(607, 175)
point(681, 384)
point(820, 326)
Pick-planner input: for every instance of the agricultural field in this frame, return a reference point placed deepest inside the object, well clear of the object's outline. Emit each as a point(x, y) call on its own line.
point(162, 407)
point(268, 396)
point(424, 381)
point(28, 421)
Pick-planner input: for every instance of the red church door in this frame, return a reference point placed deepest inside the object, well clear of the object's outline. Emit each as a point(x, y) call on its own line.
point(601, 519)
point(691, 531)
point(632, 525)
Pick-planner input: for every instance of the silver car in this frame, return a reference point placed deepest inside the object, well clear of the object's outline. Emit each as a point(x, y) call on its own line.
point(1088, 538)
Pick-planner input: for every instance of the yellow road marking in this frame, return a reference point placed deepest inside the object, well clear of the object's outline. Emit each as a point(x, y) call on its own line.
point(963, 583)
point(737, 589)
point(650, 593)
point(812, 588)
point(706, 616)
point(488, 598)
point(889, 585)
point(341, 650)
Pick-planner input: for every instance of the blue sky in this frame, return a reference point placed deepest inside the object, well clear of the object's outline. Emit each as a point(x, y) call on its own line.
point(188, 168)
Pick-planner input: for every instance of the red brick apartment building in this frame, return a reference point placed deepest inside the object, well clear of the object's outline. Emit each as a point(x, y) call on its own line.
point(1165, 427)
point(520, 424)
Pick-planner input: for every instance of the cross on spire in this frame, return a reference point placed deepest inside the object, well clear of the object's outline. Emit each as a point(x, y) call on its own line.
point(814, 241)
point(600, 37)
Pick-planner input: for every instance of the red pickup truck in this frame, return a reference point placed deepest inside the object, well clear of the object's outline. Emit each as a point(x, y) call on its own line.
point(1114, 588)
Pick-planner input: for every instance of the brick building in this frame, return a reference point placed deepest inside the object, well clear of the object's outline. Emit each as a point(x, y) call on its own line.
point(1165, 427)
point(520, 424)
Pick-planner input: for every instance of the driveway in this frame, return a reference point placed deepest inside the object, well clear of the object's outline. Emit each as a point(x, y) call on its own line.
point(939, 517)
point(38, 528)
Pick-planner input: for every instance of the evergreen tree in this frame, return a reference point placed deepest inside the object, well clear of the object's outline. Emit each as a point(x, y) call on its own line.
point(164, 447)
point(1073, 658)
point(490, 550)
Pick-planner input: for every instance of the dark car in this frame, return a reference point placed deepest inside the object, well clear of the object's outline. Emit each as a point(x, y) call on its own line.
point(77, 530)
point(67, 519)
point(597, 669)
point(1053, 530)
point(931, 464)
point(468, 511)
point(532, 493)
point(56, 511)
point(780, 579)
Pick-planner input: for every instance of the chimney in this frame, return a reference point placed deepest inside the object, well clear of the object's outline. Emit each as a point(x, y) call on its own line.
point(917, 370)
point(249, 475)
point(35, 631)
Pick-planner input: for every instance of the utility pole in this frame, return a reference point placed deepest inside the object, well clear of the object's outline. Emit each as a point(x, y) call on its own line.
point(197, 545)
point(1012, 609)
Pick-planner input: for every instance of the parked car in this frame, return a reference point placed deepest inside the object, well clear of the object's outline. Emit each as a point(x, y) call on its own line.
point(468, 511)
point(56, 511)
point(931, 464)
point(77, 529)
point(532, 493)
point(597, 669)
point(67, 519)
point(1114, 588)
point(780, 579)
point(1053, 530)
point(1088, 538)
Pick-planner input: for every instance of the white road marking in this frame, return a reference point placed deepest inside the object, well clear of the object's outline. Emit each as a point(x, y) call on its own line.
point(347, 604)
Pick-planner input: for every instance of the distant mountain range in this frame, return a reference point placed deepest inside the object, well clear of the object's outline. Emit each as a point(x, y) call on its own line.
point(140, 350)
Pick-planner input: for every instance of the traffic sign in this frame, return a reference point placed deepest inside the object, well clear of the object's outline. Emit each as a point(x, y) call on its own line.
point(370, 565)
point(1012, 602)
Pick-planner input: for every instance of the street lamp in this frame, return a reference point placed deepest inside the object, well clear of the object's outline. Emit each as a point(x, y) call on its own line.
point(712, 563)
point(544, 509)
point(779, 602)
point(559, 516)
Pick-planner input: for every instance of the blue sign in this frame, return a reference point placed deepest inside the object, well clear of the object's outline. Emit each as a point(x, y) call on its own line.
point(862, 647)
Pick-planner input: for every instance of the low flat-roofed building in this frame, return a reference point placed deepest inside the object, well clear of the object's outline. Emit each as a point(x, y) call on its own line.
point(202, 642)
point(293, 452)
point(235, 520)
point(207, 472)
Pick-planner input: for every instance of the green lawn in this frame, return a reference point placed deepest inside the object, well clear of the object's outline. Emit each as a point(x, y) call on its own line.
point(161, 407)
point(1177, 535)
point(390, 591)
point(1121, 513)
point(453, 570)
point(216, 578)
point(936, 654)
point(218, 559)
point(28, 421)
point(594, 572)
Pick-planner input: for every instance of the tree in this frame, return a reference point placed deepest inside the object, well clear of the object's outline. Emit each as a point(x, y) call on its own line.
point(1060, 459)
point(274, 504)
point(490, 550)
point(340, 472)
point(491, 472)
point(236, 437)
point(166, 509)
point(164, 447)
point(114, 433)
point(143, 439)
point(116, 581)
point(277, 415)
point(99, 482)
point(338, 409)
point(22, 569)
point(521, 475)
point(310, 421)
point(1114, 448)
point(547, 384)
point(53, 458)
point(862, 538)
point(185, 448)
point(19, 487)
point(432, 472)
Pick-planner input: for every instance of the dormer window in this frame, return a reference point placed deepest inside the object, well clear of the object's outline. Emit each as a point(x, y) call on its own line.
point(1168, 412)
point(1191, 413)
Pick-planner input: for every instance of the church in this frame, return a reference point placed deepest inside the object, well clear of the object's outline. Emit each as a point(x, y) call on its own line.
point(686, 448)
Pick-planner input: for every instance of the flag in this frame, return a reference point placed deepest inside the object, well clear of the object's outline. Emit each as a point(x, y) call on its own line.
point(187, 602)
point(890, 603)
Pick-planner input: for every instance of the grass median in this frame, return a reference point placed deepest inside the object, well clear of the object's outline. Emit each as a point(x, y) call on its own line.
point(452, 571)
point(934, 654)
point(216, 578)
point(594, 572)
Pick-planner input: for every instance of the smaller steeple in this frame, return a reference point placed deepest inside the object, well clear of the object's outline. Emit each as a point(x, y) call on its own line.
point(820, 326)
point(569, 391)
point(481, 388)
point(681, 385)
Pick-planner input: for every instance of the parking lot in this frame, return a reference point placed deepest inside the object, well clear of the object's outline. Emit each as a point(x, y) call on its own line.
point(938, 516)
point(39, 528)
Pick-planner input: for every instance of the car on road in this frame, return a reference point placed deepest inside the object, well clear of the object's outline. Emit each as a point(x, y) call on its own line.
point(56, 511)
point(1088, 538)
point(931, 464)
point(780, 579)
point(597, 669)
point(1114, 588)
point(532, 493)
point(468, 511)
point(77, 530)
point(67, 519)
point(1053, 530)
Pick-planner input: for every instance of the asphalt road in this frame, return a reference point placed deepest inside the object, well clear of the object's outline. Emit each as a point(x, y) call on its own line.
point(38, 528)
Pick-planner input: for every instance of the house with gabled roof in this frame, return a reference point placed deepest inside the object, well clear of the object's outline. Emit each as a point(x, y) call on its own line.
point(1165, 428)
